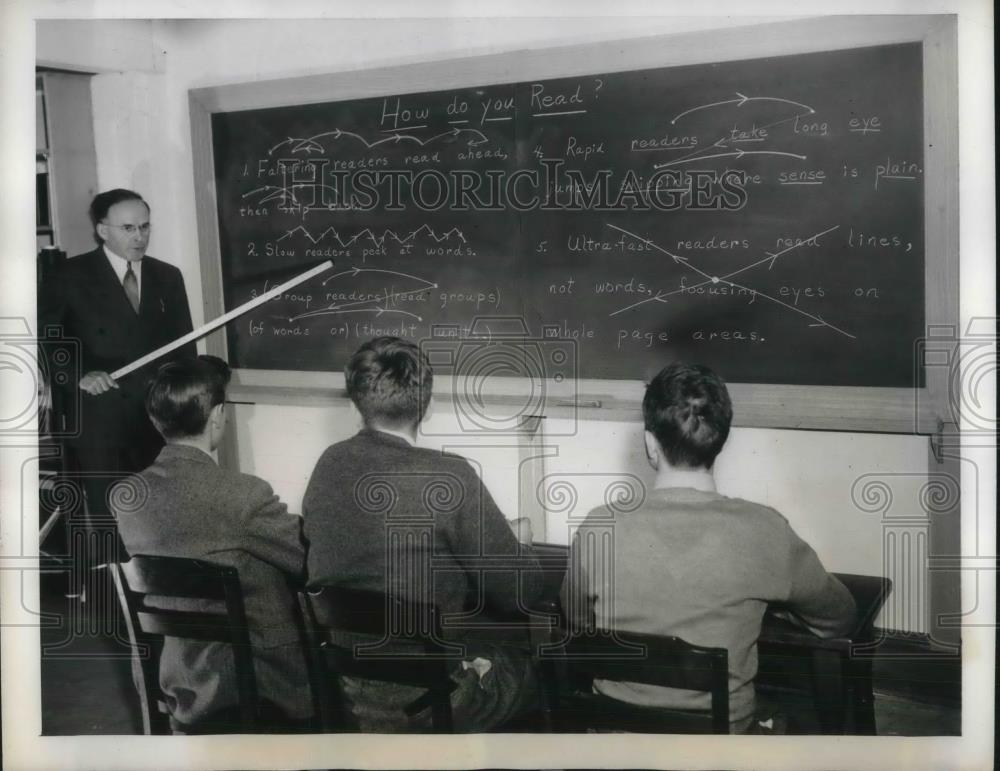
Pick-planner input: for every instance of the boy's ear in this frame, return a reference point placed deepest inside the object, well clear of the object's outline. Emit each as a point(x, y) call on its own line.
point(218, 413)
point(653, 451)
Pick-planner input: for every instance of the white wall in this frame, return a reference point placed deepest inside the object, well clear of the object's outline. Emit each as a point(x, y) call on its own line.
point(111, 45)
point(142, 133)
point(844, 493)
point(127, 126)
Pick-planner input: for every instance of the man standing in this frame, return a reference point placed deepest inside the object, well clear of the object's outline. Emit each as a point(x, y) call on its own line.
point(185, 505)
point(119, 305)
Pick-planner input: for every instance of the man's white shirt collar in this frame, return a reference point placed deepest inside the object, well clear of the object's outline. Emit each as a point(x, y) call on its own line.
point(120, 266)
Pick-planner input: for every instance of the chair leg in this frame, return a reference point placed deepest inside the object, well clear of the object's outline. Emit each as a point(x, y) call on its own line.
point(441, 716)
point(861, 700)
point(548, 693)
point(827, 675)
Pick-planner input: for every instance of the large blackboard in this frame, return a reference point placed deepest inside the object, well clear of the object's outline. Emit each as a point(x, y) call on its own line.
point(784, 243)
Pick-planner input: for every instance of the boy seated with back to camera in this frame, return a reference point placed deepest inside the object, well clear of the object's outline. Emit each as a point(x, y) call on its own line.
point(186, 505)
point(694, 564)
point(384, 515)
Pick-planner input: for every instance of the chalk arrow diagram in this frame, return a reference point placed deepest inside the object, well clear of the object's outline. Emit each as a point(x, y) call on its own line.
point(286, 191)
point(334, 306)
point(773, 256)
point(737, 154)
point(821, 322)
point(378, 311)
point(786, 120)
point(310, 144)
point(309, 147)
point(660, 296)
point(482, 141)
point(697, 158)
point(738, 102)
point(678, 259)
point(723, 142)
point(741, 99)
point(741, 153)
point(404, 313)
point(454, 131)
point(283, 142)
point(720, 143)
point(300, 144)
point(356, 270)
point(275, 192)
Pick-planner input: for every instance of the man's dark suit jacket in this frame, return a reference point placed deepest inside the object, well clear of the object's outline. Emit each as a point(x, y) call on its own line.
point(187, 506)
point(86, 301)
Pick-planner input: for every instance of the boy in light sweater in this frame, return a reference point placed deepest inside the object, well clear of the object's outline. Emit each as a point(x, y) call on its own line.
point(692, 563)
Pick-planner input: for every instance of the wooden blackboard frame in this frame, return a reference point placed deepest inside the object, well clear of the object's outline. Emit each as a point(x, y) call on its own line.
point(889, 410)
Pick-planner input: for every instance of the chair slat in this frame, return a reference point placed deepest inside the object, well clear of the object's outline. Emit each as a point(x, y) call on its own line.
point(165, 576)
point(665, 661)
point(640, 658)
point(412, 650)
point(190, 626)
point(177, 580)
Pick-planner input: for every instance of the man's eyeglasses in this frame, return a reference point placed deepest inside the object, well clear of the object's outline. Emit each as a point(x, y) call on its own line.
point(131, 230)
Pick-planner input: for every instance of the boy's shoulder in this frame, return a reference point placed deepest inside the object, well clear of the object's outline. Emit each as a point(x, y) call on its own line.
point(736, 510)
point(363, 447)
point(750, 509)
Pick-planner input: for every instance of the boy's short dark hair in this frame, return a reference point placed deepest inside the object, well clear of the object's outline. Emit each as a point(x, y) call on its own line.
point(687, 408)
point(183, 393)
point(103, 202)
point(390, 381)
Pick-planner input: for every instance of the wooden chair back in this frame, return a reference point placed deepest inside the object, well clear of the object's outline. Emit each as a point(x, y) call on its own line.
point(375, 636)
point(648, 659)
point(221, 617)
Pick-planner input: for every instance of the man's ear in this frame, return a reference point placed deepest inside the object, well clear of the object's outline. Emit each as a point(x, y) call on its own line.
point(653, 452)
point(102, 230)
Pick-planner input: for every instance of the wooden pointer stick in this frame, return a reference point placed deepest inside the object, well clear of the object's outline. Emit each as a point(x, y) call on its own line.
point(223, 319)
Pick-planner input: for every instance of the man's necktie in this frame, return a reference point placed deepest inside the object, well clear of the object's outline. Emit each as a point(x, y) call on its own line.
point(131, 286)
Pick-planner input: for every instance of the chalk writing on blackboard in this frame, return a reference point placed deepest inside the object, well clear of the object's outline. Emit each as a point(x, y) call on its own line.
point(764, 217)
